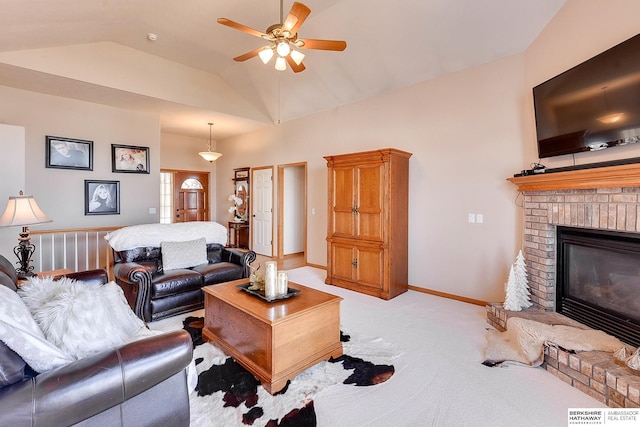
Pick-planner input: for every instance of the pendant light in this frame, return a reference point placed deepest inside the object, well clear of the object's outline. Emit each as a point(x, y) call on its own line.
point(210, 156)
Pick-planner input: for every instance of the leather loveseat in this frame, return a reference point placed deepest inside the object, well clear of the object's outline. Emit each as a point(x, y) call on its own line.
point(142, 383)
point(154, 292)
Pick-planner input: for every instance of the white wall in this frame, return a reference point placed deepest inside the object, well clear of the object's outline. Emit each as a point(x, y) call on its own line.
point(12, 179)
point(580, 30)
point(468, 132)
point(465, 133)
point(179, 152)
point(59, 192)
point(294, 184)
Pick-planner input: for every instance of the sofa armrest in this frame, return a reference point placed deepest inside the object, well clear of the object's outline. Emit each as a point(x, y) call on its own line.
point(98, 276)
point(82, 389)
point(242, 257)
point(135, 280)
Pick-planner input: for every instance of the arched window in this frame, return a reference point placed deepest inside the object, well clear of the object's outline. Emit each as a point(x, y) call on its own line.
point(191, 184)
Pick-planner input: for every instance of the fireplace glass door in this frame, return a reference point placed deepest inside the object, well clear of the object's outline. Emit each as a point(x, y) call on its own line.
point(599, 280)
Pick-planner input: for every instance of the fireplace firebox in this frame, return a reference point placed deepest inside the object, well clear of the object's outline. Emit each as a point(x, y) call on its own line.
point(598, 280)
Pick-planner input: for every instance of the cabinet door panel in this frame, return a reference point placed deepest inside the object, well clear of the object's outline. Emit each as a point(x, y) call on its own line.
point(343, 202)
point(370, 266)
point(342, 257)
point(369, 202)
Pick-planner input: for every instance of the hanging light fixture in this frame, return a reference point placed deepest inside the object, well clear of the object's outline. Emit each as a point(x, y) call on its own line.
point(210, 156)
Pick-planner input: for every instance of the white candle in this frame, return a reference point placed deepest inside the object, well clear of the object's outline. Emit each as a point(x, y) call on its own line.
point(283, 283)
point(270, 279)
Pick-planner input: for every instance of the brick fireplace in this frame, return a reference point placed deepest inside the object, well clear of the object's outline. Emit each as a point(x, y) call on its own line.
point(604, 198)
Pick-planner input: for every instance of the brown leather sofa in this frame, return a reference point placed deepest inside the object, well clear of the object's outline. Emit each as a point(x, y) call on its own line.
point(154, 293)
point(138, 384)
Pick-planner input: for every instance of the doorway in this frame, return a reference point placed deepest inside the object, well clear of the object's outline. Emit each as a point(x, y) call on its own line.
point(292, 210)
point(262, 205)
point(188, 195)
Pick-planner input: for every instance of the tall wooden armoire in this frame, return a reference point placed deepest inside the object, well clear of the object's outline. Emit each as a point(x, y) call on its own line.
point(367, 236)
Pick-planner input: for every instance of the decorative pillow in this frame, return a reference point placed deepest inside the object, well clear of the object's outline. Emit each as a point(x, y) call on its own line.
point(81, 318)
point(183, 254)
point(21, 334)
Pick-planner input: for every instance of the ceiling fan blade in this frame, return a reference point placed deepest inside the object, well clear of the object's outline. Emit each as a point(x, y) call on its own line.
point(248, 55)
point(297, 15)
point(295, 67)
point(324, 44)
point(237, 26)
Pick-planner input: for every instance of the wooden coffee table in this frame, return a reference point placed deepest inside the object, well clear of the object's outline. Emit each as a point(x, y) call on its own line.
point(276, 340)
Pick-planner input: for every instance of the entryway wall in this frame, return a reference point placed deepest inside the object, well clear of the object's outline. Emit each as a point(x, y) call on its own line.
point(12, 180)
point(292, 202)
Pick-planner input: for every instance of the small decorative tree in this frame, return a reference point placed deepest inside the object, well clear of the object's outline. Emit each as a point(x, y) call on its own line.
point(517, 287)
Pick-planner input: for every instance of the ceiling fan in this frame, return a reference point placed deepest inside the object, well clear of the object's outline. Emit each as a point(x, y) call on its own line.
point(283, 38)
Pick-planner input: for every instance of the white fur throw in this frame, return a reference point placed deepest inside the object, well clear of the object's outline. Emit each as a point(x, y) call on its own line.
point(21, 334)
point(81, 319)
point(524, 340)
point(143, 235)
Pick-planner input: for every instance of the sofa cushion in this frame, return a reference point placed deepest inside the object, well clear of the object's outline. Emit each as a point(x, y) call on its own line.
point(214, 252)
point(9, 270)
point(183, 254)
point(149, 257)
point(219, 272)
point(11, 366)
point(172, 282)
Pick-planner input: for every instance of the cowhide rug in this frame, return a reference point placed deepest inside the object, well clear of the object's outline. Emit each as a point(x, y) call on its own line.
point(228, 395)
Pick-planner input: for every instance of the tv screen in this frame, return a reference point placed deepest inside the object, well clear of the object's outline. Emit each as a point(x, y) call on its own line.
point(592, 106)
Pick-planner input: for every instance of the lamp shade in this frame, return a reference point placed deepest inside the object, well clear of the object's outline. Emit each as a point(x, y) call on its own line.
point(22, 210)
point(210, 156)
point(281, 64)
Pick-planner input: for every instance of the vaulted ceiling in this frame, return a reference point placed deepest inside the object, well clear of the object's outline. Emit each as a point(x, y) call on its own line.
point(99, 51)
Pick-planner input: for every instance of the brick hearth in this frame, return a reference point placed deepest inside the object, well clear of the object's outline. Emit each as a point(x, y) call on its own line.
point(606, 198)
point(592, 372)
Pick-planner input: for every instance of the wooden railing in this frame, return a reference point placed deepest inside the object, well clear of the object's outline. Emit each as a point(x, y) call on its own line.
point(76, 249)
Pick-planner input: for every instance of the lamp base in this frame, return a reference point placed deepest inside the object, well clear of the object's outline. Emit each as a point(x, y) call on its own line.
point(24, 251)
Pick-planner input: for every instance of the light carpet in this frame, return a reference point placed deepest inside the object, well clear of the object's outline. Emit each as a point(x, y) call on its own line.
point(227, 394)
point(439, 380)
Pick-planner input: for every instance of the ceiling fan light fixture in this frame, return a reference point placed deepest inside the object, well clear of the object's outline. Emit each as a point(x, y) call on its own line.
point(281, 64)
point(283, 48)
point(297, 57)
point(265, 55)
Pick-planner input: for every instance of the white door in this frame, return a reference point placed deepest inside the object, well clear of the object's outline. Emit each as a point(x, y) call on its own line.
point(262, 204)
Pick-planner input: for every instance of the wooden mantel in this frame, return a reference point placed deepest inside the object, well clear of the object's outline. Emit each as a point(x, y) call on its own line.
point(602, 177)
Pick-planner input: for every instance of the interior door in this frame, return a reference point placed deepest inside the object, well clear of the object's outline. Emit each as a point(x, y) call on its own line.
point(191, 196)
point(262, 205)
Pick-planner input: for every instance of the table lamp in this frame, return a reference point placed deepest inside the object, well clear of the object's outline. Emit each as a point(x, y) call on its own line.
point(24, 211)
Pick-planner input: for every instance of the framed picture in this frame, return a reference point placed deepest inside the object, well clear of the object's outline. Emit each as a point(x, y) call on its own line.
point(101, 197)
point(129, 159)
point(68, 153)
point(241, 173)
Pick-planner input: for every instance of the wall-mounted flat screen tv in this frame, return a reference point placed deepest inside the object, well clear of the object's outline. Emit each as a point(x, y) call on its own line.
point(592, 106)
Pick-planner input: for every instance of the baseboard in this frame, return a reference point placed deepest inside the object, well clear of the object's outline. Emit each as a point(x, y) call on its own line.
point(321, 267)
point(450, 296)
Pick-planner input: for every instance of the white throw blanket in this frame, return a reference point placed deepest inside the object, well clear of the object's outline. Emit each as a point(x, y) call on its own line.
point(524, 340)
point(143, 235)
